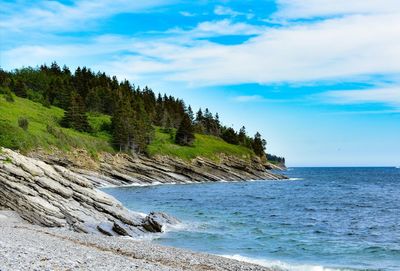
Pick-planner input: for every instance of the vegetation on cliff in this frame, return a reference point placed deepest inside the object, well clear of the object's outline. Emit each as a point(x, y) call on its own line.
point(55, 107)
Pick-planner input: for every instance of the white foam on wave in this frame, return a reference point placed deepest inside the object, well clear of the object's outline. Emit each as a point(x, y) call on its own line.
point(296, 179)
point(178, 227)
point(277, 265)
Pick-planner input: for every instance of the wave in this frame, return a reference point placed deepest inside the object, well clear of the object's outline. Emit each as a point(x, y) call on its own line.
point(296, 179)
point(277, 265)
point(178, 227)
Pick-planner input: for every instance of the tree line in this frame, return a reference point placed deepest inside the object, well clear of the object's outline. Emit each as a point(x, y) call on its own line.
point(134, 111)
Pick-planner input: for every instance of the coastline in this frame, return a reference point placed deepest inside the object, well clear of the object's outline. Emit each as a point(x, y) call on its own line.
point(121, 169)
point(65, 213)
point(25, 246)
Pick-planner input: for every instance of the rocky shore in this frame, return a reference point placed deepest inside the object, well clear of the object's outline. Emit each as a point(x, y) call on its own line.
point(60, 193)
point(123, 169)
point(25, 246)
point(54, 196)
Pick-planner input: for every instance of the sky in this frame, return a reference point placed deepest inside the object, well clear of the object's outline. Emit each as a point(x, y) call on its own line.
point(319, 79)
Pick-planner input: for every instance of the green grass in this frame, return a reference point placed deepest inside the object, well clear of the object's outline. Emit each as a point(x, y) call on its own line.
point(204, 145)
point(45, 132)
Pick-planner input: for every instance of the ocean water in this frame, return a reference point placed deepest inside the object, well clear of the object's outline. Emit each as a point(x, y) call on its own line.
point(321, 219)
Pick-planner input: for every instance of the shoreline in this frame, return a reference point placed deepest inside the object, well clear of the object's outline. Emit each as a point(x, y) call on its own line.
point(188, 183)
point(25, 246)
point(63, 204)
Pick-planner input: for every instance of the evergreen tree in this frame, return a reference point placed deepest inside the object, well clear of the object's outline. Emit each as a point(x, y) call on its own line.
point(190, 114)
point(75, 116)
point(199, 116)
point(143, 131)
point(184, 135)
point(230, 136)
point(242, 136)
point(121, 123)
point(259, 145)
point(19, 88)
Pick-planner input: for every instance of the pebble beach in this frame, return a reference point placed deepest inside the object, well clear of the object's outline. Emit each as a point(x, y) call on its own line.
point(29, 247)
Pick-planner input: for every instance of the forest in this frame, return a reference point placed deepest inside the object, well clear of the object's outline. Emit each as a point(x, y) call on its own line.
point(134, 111)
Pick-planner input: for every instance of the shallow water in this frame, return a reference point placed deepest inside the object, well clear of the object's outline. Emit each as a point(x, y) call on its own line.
point(321, 219)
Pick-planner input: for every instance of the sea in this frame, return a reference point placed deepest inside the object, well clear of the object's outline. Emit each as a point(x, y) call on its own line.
point(319, 219)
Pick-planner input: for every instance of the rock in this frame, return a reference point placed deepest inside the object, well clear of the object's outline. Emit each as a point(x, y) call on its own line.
point(157, 221)
point(122, 169)
point(54, 196)
point(106, 228)
point(121, 229)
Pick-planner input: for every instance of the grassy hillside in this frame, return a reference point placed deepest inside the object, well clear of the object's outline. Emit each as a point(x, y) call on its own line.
point(45, 132)
point(204, 145)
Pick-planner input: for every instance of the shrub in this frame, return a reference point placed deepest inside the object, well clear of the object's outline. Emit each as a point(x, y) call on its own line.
point(7, 94)
point(23, 123)
point(9, 97)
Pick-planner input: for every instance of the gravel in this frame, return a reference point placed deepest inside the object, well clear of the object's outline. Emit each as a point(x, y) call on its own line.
point(28, 247)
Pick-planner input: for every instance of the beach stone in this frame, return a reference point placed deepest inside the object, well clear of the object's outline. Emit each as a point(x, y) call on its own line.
point(157, 221)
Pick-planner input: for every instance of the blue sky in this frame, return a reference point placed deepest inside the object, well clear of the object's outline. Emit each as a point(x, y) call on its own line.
point(320, 79)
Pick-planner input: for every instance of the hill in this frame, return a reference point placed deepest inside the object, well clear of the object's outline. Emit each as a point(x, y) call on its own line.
point(45, 132)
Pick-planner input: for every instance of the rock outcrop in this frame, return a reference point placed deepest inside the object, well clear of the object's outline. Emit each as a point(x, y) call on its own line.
point(54, 196)
point(122, 169)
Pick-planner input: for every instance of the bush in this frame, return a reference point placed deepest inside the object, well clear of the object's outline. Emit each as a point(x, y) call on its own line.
point(23, 123)
point(9, 97)
point(7, 94)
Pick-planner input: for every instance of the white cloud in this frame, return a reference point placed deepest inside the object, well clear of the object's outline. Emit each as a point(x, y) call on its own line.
point(389, 96)
point(187, 14)
point(226, 11)
point(55, 16)
point(226, 27)
point(340, 48)
point(297, 9)
point(361, 43)
point(334, 49)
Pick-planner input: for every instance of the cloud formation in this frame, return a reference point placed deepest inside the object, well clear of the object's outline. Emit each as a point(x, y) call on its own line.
point(390, 96)
point(55, 16)
point(343, 41)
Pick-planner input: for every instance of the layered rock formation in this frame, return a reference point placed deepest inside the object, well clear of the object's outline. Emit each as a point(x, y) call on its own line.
point(122, 169)
point(54, 196)
point(60, 191)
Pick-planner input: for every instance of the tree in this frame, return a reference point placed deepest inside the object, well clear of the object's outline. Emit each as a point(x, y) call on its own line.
point(259, 145)
point(242, 136)
point(190, 114)
point(75, 116)
point(19, 88)
point(185, 135)
point(143, 131)
point(121, 123)
point(131, 126)
point(230, 136)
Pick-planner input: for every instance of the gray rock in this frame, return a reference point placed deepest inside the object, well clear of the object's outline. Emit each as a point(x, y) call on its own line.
point(157, 221)
point(122, 169)
point(54, 196)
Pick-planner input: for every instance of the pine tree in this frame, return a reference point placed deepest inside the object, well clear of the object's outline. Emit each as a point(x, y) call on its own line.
point(121, 123)
point(230, 136)
point(190, 114)
point(75, 116)
point(184, 135)
point(242, 136)
point(259, 145)
point(19, 88)
point(143, 131)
